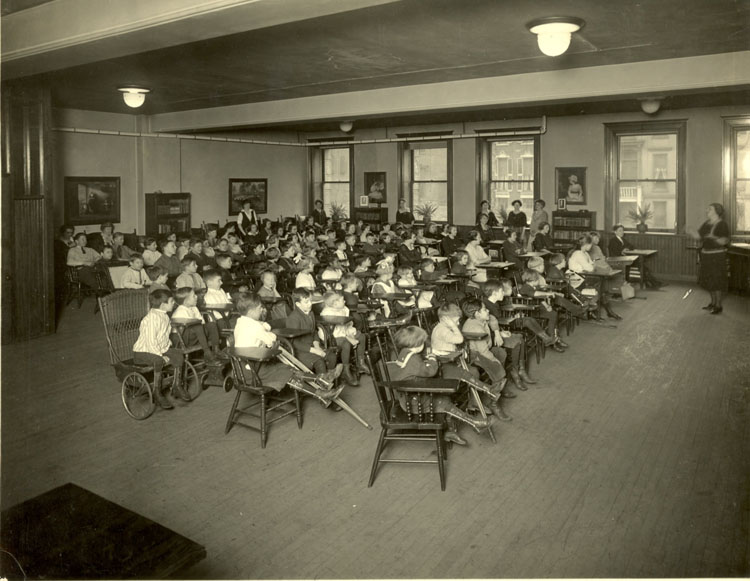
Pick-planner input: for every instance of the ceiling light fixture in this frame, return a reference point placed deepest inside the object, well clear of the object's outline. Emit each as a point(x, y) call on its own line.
point(650, 105)
point(346, 126)
point(553, 32)
point(133, 96)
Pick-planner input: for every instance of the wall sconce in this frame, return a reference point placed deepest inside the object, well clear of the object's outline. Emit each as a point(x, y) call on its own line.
point(133, 96)
point(651, 105)
point(553, 32)
point(346, 126)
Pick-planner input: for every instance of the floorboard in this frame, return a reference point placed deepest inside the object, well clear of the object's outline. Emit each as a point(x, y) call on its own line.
point(630, 458)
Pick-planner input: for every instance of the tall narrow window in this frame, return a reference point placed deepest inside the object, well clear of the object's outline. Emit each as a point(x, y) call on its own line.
point(645, 175)
point(430, 179)
point(337, 190)
point(737, 174)
point(513, 174)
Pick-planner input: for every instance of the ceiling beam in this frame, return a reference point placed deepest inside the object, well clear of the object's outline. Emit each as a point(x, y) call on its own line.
point(623, 80)
point(68, 33)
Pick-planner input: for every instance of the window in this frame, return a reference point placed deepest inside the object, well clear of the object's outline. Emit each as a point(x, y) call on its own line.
point(645, 172)
point(504, 185)
point(430, 170)
point(737, 174)
point(337, 179)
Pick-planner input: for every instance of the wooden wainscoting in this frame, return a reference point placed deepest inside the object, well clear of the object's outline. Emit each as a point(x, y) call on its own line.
point(674, 260)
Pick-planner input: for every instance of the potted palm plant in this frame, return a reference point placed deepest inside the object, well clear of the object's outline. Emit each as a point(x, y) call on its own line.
point(425, 211)
point(641, 215)
point(338, 212)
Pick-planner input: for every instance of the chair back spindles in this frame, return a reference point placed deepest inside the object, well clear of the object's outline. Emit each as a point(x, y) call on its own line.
point(122, 313)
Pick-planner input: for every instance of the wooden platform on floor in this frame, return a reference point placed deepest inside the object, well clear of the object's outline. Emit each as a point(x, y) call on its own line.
point(629, 459)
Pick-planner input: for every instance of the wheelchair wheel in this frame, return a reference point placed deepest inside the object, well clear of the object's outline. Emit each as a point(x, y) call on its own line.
point(137, 396)
point(228, 383)
point(193, 381)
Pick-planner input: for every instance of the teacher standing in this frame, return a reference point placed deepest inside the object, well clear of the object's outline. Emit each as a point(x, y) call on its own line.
point(246, 217)
point(714, 235)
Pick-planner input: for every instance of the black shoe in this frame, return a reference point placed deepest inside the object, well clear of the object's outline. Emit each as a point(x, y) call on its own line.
point(455, 438)
point(615, 316)
point(716, 310)
point(508, 394)
point(557, 348)
point(709, 307)
point(562, 343)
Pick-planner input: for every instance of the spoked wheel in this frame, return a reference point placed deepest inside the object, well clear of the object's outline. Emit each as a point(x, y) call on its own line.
point(193, 381)
point(137, 396)
point(228, 383)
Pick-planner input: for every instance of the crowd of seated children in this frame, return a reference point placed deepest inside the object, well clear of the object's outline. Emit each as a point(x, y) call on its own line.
point(307, 347)
point(189, 276)
point(410, 364)
point(447, 340)
point(384, 285)
point(347, 337)
point(168, 259)
point(369, 247)
point(581, 263)
point(251, 331)
point(196, 253)
point(154, 346)
point(268, 290)
point(206, 334)
point(135, 276)
point(541, 288)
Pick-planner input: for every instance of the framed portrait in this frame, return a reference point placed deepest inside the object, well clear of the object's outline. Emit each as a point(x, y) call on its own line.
point(571, 185)
point(364, 200)
point(92, 200)
point(562, 204)
point(253, 189)
point(375, 189)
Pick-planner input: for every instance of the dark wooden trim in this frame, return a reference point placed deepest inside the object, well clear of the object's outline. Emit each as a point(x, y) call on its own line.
point(449, 192)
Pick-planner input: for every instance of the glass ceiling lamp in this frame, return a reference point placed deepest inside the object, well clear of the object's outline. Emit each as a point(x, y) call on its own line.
point(133, 96)
point(553, 32)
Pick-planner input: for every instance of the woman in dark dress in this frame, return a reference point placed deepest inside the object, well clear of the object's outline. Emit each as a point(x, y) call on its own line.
point(404, 215)
point(319, 214)
point(483, 227)
point(714, 235)
point(246, 217)
point(484, 210)
point(543, 240)
point(516, 218)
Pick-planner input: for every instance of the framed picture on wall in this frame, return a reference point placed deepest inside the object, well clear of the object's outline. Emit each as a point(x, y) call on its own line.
point(91, 200)
point(375, 188)
point(571, 185)
point(364, 200)
point(253, 189)
point(562, 204)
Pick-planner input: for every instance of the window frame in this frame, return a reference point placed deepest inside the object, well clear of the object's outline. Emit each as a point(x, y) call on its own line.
point(407, 180)
point(324, 181)
point(612, 133)
point(732, 125)
point(485, 167)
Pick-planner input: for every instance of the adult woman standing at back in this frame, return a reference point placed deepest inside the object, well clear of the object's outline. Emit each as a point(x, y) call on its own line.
point(484, 210)
point(714, 235)
point(404, 215)
point(246, 217)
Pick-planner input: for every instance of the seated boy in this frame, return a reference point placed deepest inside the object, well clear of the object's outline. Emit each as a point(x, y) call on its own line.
point(384, 285)
point(190, 277)
point(307, 347)
point(424, 298)
point(228, 278)
point(196, 253)
point(134, 276)
point(410, 342)
point(268, 290)
point(215, 295)
point(206, 335)
point(446, 339)
point(251, 331)
point(346, 337)
point(153, 346)
point(539, 284)
point(122, 252)
point(158, 278)
point(529, 289)
point(304, 275)
point(369, 247)
point(151, 254)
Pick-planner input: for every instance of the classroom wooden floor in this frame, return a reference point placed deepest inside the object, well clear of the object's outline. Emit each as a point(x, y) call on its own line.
point(630, 459)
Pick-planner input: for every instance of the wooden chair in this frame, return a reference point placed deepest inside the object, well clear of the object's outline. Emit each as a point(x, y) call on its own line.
point(74, 288)
point(267, 404)
point(420, 425)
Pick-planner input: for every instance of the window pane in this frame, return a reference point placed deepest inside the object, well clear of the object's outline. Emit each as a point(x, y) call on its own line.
point(336, 165)
point(648, 157)
point(503, 193)
point(507, 155)
point(742, 206)
point(659, 197)
point(743, 155)
point(434, 193)
point(430, 164)
point(336, 193)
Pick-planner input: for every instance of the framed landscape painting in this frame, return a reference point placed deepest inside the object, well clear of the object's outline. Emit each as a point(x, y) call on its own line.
point(91, 200)
point(253, 189)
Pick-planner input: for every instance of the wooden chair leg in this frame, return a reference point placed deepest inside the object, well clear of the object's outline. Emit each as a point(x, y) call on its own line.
point(298, 405)
point(378, 452)
point(441, 464)
point(263, 425)
point(230, 421)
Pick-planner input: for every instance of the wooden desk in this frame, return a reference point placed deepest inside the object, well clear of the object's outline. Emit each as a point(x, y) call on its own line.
point(738, 256)
point(641, 255)
point(71, 533)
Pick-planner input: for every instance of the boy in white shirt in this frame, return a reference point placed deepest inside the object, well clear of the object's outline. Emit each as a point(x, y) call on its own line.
point(304, 276)
point(251, 331)
point(207, 336)
point(189, 276)
point(151, 254)
point(346, 337)
point(134, 277)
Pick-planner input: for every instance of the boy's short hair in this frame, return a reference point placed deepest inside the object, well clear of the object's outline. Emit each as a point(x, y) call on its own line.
point(330, 297)
point(334, 262)
point(149, 241)
point(300, 293)
point(535, 261)
point(272, 253)
point(348, 278)
point(491, 287)
point(211, 275)
point(106, 225)
point(470, 306)
point(285, 245)
point(410, 337)
point(107, 246)
point(505, 282)
point(459, 255)
point(426, 262)
point(158, 297)
point(529, 275)
point(134, 257)
point(247, 301)
point(182, 293)
point(65, 227)
point(78, 236)
point(369, 234)
point(222, 257)
point(361, 260)
point(266, 273)
point(556, 258)
point(118, 234)
point(542, 224)
point(304, 263)
point(341, 241)
point(194, 241)
point(163, 243)
point(449, 310)
point(155, 271)
point(405, 271)
point(183, 238)
point(187, 260)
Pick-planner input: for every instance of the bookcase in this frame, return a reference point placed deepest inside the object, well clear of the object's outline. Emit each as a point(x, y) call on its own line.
point(568, 226)
point(167, 213)
point(374, 216)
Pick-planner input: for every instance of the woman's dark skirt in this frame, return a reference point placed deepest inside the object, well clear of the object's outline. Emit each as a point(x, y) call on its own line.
point(713, 272)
